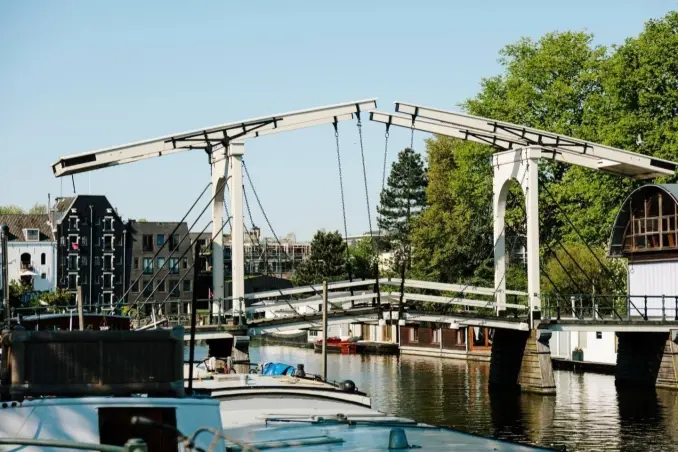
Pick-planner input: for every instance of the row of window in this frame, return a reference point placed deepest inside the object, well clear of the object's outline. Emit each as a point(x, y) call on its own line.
point(172, 264)
point(147, 241)
point(106, 281)
point(161, 286)
point(74, 242)
point(75, 222)
point(74, 262)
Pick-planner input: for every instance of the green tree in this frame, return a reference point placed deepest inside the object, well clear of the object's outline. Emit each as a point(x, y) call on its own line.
point(402, 200)
point(565, 84)
point(327, 260)
point(58, 298)
point(11, 210)
point(363, 259)
point(17, 289)
point(38, 208)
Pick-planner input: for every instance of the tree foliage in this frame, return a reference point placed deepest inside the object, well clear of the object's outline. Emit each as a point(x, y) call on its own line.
point(401, 203)
point(625, 96)
point(38, 209)
point(565, 274)
point(404, 196)
point(327, 260)
point(363, 259)
point(11, 209)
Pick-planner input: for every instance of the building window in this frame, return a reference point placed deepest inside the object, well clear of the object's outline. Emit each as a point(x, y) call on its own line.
point(148, 265)
point(135, 263)
point(108, 224)
point(108, 242)
point(82, 279)
point(43, 276)
point(160, 286)
point(108, 281)
point(32, 235)
point(160, 239)
point(187, 285)
point(43, 259)
point(173, 264)
point(148, 288)
point(173, 242)
point(72, 262)
point(599, 334)
point(107, 298)
point(83, 261)
point(135, 286)
point(147, 242)
point(184, 262)
point(72, 282)
point(174, 288)
point(73, 223)
point(97, 261)
point(161, 262)
point(108, 263)
point(74, 243)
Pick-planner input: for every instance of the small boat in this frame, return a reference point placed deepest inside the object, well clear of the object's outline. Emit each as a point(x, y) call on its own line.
point(336, 345)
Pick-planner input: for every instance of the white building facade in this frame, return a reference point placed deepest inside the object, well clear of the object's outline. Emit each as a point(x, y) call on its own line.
point(31, 251)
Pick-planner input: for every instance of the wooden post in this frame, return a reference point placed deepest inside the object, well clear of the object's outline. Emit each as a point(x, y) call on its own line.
point(191, 350)
point(81, 318)
point(324, 330)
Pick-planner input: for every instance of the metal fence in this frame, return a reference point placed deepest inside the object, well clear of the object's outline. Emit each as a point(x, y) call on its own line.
point(610, 307)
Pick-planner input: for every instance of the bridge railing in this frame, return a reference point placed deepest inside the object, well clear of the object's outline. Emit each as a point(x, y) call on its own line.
point(609, 307)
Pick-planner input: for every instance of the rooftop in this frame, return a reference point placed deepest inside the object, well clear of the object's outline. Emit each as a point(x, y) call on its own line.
point(18, 222)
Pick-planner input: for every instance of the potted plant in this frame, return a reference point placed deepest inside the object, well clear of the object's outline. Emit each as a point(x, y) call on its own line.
point(578, 354)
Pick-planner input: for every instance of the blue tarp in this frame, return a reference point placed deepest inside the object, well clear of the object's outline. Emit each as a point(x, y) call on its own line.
point(277, 369)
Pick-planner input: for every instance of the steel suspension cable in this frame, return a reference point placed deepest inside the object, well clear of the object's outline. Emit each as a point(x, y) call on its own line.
point(261, 207)
point(343, 204)
point(209, 203)
point(555, 256)
point(559, 207)
point(369, 212)
point(176, 228)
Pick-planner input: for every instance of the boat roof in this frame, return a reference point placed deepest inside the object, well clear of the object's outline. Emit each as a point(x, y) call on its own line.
point(358, 430)
point(74, 314)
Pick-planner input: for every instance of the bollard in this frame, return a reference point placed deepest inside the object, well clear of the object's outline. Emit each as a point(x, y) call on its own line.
point(645, 315)
point(136, 445)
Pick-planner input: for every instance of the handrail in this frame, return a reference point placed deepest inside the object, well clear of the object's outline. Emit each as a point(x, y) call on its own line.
point(133, 445)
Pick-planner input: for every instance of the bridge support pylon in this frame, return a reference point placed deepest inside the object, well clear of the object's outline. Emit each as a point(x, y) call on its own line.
point(521, 360)
point(647, 359)
point(668, 369)
point(521, 165)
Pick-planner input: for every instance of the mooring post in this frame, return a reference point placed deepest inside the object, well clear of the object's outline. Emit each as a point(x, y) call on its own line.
point(191, 350)
point(324, 330)
point(4, 232)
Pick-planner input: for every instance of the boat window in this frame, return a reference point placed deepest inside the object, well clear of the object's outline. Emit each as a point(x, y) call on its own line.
point(115, 427)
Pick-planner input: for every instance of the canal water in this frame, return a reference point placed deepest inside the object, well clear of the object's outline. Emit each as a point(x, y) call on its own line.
point(587, 413)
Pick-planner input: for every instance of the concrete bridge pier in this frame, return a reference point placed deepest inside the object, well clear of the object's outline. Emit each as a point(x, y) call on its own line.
point(522, 360)
point(647, 359)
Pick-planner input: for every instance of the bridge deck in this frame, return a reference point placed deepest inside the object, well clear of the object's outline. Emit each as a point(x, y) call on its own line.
point(628, 326)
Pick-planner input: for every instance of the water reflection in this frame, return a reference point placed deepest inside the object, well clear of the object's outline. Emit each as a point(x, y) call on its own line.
point(587, 413)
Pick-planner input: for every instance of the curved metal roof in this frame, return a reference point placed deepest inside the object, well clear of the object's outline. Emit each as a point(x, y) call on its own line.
point(623, 216)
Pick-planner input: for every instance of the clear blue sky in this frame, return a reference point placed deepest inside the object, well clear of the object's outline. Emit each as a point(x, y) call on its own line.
point(82, 75)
